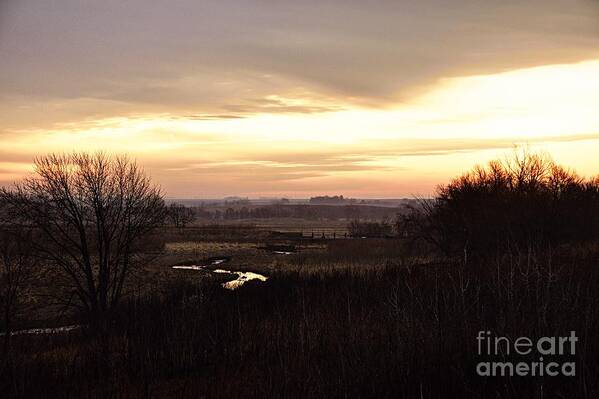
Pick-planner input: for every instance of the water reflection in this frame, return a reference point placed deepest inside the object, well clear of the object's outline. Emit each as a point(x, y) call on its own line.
point(37, 331)
point(242, 277)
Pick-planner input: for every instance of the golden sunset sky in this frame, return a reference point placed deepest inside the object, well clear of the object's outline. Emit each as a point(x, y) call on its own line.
point(299, 98)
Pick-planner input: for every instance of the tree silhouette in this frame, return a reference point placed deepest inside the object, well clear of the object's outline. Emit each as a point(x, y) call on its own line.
point(91, 213)
point(180, 215)
point(524, 201)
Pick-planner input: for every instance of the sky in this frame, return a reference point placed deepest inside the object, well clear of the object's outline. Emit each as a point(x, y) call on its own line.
point(299, 98)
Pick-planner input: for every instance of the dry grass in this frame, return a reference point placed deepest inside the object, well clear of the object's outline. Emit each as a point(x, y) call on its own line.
point(393, 330)
point(354, 318)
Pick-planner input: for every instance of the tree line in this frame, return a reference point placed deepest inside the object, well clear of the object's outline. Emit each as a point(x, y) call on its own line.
point(525, 202)
point(299, 211)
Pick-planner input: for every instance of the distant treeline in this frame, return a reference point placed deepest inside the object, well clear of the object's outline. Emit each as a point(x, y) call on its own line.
point(335, 199)
point(329, 212)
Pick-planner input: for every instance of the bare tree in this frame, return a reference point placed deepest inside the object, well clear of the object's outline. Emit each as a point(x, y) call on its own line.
point(180, 215)
point(16, 262)
point(92, 213)
point(525, 202)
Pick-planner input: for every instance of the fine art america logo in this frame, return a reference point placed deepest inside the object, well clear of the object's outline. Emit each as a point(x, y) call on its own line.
point(548, 354)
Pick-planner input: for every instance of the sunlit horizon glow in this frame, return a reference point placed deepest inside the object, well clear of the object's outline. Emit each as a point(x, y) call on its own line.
point(392, 152)
point(256, 119)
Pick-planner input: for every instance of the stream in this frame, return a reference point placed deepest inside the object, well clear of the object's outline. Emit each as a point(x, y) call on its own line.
point(242, 277)
point(37, 331)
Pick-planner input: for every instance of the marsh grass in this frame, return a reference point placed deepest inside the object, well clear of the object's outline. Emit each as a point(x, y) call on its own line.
point(396, 330)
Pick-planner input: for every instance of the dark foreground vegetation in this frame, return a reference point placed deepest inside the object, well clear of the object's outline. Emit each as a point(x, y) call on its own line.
point(361, 318)
point(398, 331)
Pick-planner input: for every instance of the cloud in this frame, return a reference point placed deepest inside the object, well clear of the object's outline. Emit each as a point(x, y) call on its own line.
point(206, 117)
point(393, 167)
point(369, 151)
point(237, 94)
point(386, 160)
point(114, 57)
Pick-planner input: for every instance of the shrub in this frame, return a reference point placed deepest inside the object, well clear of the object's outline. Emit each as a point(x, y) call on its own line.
point(369, 229)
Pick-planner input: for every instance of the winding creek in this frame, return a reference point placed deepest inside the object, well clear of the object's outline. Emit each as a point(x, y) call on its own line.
point(242, 277)
point(38, 331)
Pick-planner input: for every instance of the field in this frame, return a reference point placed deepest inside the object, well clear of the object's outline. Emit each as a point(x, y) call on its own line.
point(336, 318)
